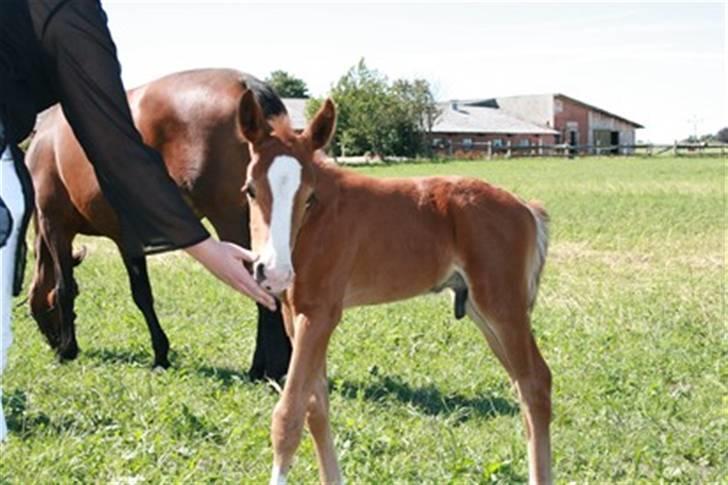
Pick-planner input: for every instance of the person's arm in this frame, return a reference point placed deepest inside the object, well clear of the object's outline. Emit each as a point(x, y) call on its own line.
point(82, 63)
point(216, 256)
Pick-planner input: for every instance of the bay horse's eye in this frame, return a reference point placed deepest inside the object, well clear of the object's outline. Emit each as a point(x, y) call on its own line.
point(311, 200)
point(248, 189)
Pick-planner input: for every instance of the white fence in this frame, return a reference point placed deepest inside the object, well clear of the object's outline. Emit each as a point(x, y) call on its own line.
point(490, 150)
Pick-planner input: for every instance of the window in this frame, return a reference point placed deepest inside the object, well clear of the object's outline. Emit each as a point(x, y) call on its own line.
point(467, 142)
point(436, 142)
point(498, 142)
point(524, 142)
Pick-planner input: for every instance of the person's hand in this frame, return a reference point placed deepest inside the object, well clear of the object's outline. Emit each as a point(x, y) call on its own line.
point(225, 260)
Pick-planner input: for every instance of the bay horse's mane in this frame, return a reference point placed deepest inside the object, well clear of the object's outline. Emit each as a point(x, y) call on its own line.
point(271, 104)
point(268, 99)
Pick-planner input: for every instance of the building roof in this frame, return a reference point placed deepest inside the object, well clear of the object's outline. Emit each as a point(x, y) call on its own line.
point(493, 103)
point(296, 108)
point(456, 117)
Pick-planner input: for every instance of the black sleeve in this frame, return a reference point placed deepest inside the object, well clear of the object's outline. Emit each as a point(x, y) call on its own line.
point(84, 68)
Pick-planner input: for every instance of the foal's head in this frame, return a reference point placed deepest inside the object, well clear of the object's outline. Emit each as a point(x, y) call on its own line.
point(280, 186)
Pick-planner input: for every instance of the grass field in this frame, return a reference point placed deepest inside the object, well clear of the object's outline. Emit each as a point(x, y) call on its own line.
point(630, 318)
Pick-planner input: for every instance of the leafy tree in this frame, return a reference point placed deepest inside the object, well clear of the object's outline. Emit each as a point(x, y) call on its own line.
point(722, 135)
point(287, 85)
point(377, 116)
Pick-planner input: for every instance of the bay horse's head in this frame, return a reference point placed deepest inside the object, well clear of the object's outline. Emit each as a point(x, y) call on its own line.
point(280, 186)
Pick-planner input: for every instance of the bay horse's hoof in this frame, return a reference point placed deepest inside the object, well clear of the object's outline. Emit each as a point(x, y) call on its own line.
point(256, 373)
point(161, 365)
point(261, 374)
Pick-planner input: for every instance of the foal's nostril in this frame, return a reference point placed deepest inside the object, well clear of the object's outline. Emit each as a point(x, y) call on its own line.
point(259, 273)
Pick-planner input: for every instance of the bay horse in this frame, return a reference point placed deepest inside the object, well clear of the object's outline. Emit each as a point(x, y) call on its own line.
point(191, 118)
point(329, 239)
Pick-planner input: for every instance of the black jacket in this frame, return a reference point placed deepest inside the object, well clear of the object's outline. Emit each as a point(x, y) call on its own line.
point(61, 51)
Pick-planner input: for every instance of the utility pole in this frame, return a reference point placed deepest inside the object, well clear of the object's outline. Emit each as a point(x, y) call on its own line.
point(694, 120)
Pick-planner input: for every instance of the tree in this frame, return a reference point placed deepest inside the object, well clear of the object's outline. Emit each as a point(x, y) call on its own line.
point(722, 135)
point(287, 85)
point(377, 116)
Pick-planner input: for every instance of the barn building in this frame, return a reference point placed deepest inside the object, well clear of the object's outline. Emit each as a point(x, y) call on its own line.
point(471, 126)
point(560, 119)
point(526, 122)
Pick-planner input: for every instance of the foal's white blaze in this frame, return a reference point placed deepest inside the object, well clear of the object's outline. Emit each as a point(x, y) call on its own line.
point(284, 178)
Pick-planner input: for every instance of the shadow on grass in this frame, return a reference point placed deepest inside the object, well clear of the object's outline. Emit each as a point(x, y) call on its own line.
point(226, 376)
point(25, 424)
point(429, 400)
point(118, 356)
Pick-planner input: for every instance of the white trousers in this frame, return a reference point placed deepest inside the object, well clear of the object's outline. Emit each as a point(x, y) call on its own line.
point(12, 194)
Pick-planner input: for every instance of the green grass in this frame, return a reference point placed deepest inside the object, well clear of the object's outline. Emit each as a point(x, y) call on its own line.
point(630, 318)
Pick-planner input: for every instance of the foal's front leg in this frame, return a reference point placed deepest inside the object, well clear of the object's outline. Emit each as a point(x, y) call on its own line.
point(302, 394)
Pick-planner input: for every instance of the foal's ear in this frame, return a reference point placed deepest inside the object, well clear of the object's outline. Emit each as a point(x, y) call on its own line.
point(252, 122)
point(321, 128)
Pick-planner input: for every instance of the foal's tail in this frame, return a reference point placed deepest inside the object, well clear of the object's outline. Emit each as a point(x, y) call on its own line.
point(540, 248)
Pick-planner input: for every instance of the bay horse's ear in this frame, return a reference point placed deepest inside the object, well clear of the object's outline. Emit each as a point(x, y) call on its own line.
point(321, 128)
point(252, 123)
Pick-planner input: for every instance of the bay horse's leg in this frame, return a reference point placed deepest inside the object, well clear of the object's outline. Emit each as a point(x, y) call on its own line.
point(42, 295)
point(305, 398)
point(508, 333)
point(59, 244)
point(141, 292)
point(272, 346)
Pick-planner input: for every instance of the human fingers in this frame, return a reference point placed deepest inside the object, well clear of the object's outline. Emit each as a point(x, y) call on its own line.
point(247, 285)
point(242, 253)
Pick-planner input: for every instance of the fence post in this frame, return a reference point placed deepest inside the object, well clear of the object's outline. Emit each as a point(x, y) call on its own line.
point(489, 149)
point(540, 147)
point(508, 151)
point(674, 148)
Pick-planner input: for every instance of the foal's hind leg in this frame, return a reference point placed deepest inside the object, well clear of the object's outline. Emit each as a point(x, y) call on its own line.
point(317, 420)
point(141, 292)
point(507, 330)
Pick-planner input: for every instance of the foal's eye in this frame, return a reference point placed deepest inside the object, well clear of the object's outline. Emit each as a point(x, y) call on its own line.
point(249, 190)
point(311, 200)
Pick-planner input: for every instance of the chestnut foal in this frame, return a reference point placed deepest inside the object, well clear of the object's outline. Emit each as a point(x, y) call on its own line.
point(330, 239)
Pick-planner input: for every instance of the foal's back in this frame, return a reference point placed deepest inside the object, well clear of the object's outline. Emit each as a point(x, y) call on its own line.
point(397, 238)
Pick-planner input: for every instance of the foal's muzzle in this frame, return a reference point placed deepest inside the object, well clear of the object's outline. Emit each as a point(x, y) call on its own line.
point(272, 279)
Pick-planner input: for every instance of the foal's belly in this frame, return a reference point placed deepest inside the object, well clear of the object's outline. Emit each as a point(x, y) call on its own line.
point(398, 272)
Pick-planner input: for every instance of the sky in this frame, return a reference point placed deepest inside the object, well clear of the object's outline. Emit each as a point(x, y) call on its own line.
point(662, 65)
